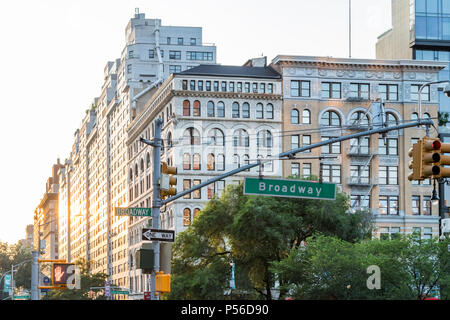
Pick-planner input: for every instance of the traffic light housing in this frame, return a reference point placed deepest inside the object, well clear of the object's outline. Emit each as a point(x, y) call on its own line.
point(162, 282)
point(434, 159)
point(416, 162)
point(168, 183)
point(61, 273)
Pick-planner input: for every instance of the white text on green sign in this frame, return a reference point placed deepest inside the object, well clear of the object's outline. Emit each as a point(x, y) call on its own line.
point(134, 212)
point(290, 188)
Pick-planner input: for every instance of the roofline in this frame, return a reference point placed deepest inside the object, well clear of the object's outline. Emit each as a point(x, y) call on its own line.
point(278, 76)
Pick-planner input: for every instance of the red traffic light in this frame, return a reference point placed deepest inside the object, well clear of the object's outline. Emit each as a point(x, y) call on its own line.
point(436, 144)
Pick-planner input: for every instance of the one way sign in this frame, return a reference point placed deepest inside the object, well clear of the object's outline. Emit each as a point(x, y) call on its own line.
point(158, 235)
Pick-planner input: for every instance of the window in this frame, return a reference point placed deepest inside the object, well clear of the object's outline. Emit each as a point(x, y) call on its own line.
point(306, 116)
point(184, 84)
point(427, 233)
point(236, 162)
point(200, 85)
point(360, 174)
point(333, 148)
point(389, 205)
point(216, 85)
point(331, 90)
point(259, 111)
point(294, 116)
point(264, 139)
point(388, 175)
point(240, 138)
point(300, 88)
point(186, 186)
point(235, 110)
point(360, 201)
point(186, 161)
point(388, 91)
point(306, 141)
point(427, 205)
point(388, 146)
point(295, 141)
point(247, 87)
point(129, 68)
point(175, 69)
point(224, 86)
point(330, 118)
point(196, 161)
point(168, 40)
point(197, 55)
point(216, 137)
point(231, 87)
point(220, 109)
point(174, 55)
point(186, 217)
point(255, 87)
point(269, 111)
point(193, 41)
point(384, 233)
point(151, 54)
point(306, 170)
point(331, 173)
point(269, 88)
point(220, 162)
point(210, 107)
point(391, 119)
point(295, 169)
point(359, 118)
point(262, 88)
point(239, 87)
point(360, 145)
point(415, 92)
point(186, 108)
point(196, 212)
point(395, 232)
point(131, 54)
point(180, 41)
point(359, 90)
point(208, 86)
point(191, 136)
point(415, 205)
point(246, 110)
point(196, 109)
point(192, 85)
point(197, 194)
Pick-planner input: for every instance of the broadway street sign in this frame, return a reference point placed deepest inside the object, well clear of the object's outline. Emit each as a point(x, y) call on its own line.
point(290, 188)
point(134, 212)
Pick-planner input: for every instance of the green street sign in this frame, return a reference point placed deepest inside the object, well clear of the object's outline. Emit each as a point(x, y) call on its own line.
point(290, 188)
point(21, 297)
point(134, 212)
point(119, 292)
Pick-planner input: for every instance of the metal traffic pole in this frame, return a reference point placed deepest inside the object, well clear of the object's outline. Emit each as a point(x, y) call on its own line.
point(156, 206)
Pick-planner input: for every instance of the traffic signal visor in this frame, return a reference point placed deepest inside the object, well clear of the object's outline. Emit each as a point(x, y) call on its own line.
point(431, 158)
point(168, 183)
point(416, 162)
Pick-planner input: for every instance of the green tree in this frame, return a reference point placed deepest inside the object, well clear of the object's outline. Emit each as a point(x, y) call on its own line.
point(15, 254)
point(253, 232)
point(88, 280)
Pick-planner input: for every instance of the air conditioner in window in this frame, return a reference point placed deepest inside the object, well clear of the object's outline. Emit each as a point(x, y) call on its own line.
point(445, 225)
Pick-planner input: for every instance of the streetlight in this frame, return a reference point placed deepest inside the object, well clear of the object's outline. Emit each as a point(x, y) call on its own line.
point(446, 91)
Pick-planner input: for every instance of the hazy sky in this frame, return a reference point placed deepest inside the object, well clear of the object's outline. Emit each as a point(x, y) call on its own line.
point(53, 54)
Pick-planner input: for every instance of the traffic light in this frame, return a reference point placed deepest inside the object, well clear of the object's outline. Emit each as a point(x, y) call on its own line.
point(168, 181)
point(416, 162)
point(434, 159)
point(162, 282)
point(61, 273)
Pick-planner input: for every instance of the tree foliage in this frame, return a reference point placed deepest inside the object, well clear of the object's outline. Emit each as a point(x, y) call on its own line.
point(15, 254)
point(253, 232)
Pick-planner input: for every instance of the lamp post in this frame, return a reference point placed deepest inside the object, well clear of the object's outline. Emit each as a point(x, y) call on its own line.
point(446, 91)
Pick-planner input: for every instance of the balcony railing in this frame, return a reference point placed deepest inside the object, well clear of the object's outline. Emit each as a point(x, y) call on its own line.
point(362, 181)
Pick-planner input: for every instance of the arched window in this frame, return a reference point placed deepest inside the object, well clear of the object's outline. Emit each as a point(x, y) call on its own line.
point(359, 118)
point(216, 137)
point(196, 112)
point(220, 109)
point(264, 139)
point(391, 119)
point(240, 138)
point(142, 165)
point(186, 108)
point(147, 160)
point(306, 116)
point(196, 161)
point(187, 161)
point(220, 162)
point(426, 115)
point(246, 110)
point(330, 118)
point(186, 217)
point(211, 163)
point(196, 212)
point(136, 173)
point(259, 111)
point(236, 163)
point(210, 107)
point(269, 111)
point(295, 116)
point(191, 136)
point(414, 116)
point(131, 174)
point(235, 110)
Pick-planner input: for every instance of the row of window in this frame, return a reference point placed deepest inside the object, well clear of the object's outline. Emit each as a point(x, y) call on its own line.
point(216, 162)
point(333, 90)
point(387, 233)
point(237, 110)
point(227, 86)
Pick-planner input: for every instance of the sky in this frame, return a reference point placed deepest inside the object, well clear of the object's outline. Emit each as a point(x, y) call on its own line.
point(54, 51)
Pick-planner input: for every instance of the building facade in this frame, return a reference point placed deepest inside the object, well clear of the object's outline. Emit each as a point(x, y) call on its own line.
point(329, 97)
point(215, 119)
point(95, 174)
